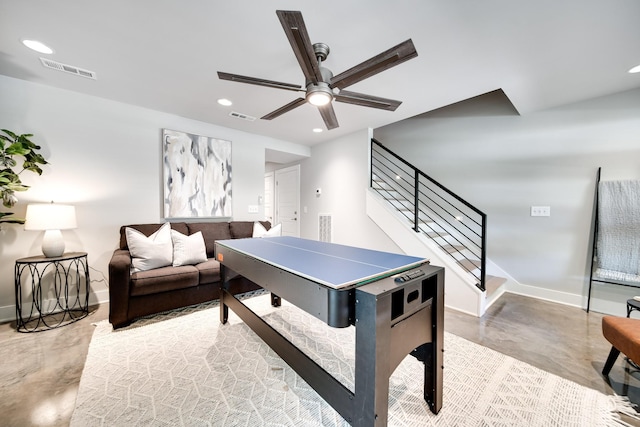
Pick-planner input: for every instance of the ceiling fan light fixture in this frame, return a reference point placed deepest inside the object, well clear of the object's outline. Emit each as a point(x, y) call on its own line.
point(319, 99)
point(319, 94)
point(321, 86)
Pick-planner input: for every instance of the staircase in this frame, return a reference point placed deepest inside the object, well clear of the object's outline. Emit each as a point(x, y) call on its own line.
point(426, 219)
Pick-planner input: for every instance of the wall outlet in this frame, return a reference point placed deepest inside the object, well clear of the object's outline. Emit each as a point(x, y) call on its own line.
point(540, 210)
point(254, 209)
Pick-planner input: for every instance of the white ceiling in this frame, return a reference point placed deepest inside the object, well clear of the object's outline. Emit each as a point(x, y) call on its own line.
point(164, 54)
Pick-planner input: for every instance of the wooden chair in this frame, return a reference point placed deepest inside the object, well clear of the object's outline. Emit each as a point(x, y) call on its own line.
point(624, 335)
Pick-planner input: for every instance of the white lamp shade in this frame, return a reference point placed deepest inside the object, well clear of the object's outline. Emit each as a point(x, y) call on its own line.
point(50, 216)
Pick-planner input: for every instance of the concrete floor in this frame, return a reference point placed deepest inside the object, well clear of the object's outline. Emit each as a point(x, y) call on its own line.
point(41, 371)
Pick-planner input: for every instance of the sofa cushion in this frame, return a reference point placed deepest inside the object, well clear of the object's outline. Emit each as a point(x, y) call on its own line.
point(148, 230)
point(150, 252)
point(260, 231)
point(163, 279)
point(188, 250)
point(244, 229)
point(211, 231)
point(209, 271)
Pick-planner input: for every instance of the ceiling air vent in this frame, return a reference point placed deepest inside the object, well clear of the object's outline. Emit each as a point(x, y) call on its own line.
point(241, 116)
point(68, 69)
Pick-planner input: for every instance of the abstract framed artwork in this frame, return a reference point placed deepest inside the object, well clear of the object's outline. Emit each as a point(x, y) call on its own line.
point(196, 176)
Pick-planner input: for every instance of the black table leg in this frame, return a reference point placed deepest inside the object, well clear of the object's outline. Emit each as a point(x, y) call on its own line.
point(224, 309)
point(275, 300)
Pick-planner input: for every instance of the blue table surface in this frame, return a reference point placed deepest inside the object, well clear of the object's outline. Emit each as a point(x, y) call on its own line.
point(330, 264)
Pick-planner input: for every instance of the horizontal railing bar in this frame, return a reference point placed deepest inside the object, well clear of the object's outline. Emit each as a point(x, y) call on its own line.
point(428, 188)
point(446, 221)
point(431, 217)
point(393, 188)
point(453, 215)
point(450, 204)
point(458, 209)
point(423, 202)
point(442, 247)
point(455, 196)
point(450, 235)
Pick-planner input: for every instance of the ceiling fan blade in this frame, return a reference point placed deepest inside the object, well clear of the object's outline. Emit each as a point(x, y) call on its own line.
point(280, 111)
point(296, 32)
point(259, 82)
point(329, 116)
point(367, 100)
point(387, 59)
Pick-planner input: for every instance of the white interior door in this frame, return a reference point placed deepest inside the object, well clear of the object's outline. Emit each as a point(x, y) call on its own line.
point(269, 196)
point(287, 200)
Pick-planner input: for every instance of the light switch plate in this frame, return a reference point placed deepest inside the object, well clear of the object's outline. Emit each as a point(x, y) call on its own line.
point(254, 209)
point(540, 210)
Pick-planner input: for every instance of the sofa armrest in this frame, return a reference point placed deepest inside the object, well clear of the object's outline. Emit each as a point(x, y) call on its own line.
point(119, 284)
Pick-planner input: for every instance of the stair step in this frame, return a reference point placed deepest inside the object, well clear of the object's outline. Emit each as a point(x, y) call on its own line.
point(453, 248)
point(392, 195)
point(400, 204)
point(491, 283)
point(385, 190)
point(436, 235)
point(470, 264)
point(426, 226)
point(431, 227)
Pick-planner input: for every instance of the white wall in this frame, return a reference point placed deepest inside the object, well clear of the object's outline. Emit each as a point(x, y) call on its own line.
point(505, 163)
point(105, 158)
point(340, 168)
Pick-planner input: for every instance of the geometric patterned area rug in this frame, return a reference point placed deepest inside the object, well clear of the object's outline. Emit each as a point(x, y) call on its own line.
point(182, 368)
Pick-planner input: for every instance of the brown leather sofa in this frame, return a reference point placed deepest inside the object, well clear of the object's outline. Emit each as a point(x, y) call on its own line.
point(137, 294)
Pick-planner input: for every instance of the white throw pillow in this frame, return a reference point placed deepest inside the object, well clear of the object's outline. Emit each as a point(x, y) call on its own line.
point(150, 252)
point(188, 250)
point(260, 231)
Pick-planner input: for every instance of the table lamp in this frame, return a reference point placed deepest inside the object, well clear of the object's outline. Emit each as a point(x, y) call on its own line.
point(51, 218)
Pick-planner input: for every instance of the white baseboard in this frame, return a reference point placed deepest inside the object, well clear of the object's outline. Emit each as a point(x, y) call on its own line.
point(612, 300)
point(8, 312)
point(546, 294)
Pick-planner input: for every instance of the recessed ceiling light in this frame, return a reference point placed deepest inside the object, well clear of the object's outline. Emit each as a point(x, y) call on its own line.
point(225, 102)
point(317, 130)
point(635, 69)
point(37, 46)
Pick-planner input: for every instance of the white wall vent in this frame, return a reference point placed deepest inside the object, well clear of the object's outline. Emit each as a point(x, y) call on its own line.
point(324, 227)
point(68, 69)
point(241, 116)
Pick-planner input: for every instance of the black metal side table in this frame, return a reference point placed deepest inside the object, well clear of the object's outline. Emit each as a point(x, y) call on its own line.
point(632, 304)
point(59, 291)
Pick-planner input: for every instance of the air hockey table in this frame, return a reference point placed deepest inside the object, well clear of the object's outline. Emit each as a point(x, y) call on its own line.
point(395, 302)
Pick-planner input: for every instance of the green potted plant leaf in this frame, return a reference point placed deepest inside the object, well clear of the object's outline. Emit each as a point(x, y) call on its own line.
point(12, 147)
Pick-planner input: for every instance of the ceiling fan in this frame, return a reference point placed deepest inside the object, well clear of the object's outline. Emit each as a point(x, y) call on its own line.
point(321, 86)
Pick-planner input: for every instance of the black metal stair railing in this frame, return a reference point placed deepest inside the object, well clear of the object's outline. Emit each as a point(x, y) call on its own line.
point(452, 223)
